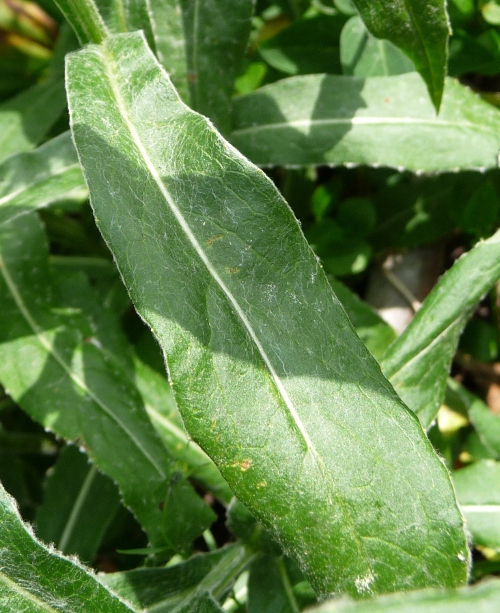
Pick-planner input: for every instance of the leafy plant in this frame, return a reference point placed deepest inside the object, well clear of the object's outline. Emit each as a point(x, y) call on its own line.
point(299, 450)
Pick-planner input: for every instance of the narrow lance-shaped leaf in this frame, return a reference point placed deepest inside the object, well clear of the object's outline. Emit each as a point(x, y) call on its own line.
point(420, 28)
point(73, 389)
point(202, 45)
point(268, 374)
point(32, 180)
point(418, 362)
point(36, 579)
point(381, 121)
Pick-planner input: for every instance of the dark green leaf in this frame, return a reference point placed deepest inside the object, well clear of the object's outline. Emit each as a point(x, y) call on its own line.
point(420, 28)
point(478, 492)
point(71, 385)
point(175, 588)
point(78, 505)
point(36, 579)
point(33, 180)
point(483, 597)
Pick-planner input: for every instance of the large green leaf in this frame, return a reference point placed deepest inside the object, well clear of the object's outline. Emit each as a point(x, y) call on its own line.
point(269, 376)
point(32, 180)
point(418, 362)
point(75, 390)
point(36, 579)
point(382, 121)
point(484, 597)
point(420, 28)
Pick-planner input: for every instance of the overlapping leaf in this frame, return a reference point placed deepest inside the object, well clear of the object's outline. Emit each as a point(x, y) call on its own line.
point(54, 367)
point(268, 375)
point(381, 121)
point(418, 362)
point(36, 579)
point(420, 28)
point(32, 180)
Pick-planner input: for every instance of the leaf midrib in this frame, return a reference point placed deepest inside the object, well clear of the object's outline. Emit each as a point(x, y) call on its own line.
point(108, 61)
point(375, 121)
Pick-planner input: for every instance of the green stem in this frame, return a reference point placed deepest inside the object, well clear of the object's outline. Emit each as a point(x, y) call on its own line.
point(85, 19)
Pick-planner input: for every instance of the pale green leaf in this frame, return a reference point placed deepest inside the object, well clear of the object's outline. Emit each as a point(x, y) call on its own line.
point(381, 121)
point(363, 55)
point(269, 377)
point(78, 505)
point(420, 28)
point(39, 580)
point(484, 598)
point(176, 588)
point(33, 180)
point(54, 367)
point(478, 492)
point(418, 362)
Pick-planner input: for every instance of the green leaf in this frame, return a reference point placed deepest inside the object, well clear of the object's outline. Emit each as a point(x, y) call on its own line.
point(418, 362)
point(478, 492)
point(26, 118)
point(33, 180)
point(78, 504)
point(73, 388)
point(216, 36)
point(420, 28)
point(37, 579)
point(178, 587)
point(382, 121)
point(363, 55)
point(482, 597)
point(284, 402)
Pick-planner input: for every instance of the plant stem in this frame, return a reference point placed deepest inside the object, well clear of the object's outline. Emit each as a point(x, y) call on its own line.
point(85, 19)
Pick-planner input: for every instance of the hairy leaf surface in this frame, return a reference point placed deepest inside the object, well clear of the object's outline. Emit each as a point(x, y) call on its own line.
point(269, 376)
point(381, 121)
point(36, 579)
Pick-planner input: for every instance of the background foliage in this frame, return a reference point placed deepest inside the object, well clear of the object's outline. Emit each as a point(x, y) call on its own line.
point(277, 466)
